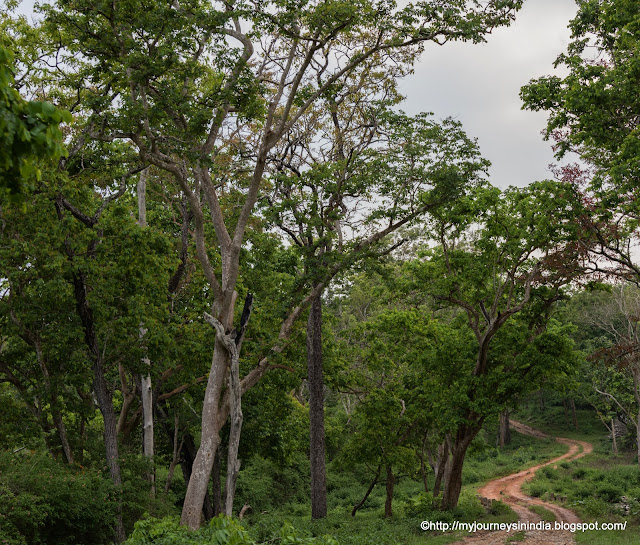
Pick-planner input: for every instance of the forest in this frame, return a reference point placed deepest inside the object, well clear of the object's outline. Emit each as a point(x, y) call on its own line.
point(246, 298)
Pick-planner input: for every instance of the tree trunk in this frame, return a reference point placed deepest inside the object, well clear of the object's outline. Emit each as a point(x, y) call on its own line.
point(315, 382)
point(102, 393)
point(440, 466)
point(453, 472)
point(504, 433)
point(210, 440)
point(62, 432)
point(186, 463)
point(614, 445)
point(573, 413)
point(146, 390)
point(366, 495)
point(423, 469)
point(147, 413)
point(216, 485)
point(388, 507)
point(233, 463)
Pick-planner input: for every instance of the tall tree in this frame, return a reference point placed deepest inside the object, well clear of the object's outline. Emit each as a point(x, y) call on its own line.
point(593, 112)
point(339, 203)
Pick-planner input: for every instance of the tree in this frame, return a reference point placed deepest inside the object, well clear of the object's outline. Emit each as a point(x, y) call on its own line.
point(617, 316)
point(593, 113)
point(500, 260)
point(202, 92)
point(340, 203)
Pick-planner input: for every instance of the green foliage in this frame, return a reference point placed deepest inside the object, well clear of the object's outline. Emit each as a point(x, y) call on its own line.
point(592, 108)
point(220, 531)
point(46, 503)
point(28, 131)
point(593, 485)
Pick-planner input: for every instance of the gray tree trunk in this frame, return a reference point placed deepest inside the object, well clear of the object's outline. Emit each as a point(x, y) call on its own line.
point(504, 433)
point(315, 382)
point(146, 390)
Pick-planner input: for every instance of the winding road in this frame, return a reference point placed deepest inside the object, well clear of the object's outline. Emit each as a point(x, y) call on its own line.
point(509, 490)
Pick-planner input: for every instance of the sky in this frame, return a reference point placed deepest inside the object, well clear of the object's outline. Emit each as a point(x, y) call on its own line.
point(479, 85)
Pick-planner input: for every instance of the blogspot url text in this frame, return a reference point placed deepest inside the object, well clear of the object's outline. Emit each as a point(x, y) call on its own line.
point(471, 527)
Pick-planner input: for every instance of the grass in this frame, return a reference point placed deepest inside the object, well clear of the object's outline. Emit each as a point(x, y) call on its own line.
point(593, 485)
point(518, 536)
point(411, 505)
point(630, 536)
point(543, 513)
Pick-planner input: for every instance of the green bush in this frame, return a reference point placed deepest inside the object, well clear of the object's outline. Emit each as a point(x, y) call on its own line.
point(579, 473)
point(609, 493)
point(536, 489)
point(44, 502)
point(265, 485)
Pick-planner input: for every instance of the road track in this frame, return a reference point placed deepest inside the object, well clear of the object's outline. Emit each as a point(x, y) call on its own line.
point(509, 490)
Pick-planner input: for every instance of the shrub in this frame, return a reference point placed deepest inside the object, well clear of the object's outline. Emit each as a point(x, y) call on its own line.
point(579, 473)
point(609, 492)
point(45, 502)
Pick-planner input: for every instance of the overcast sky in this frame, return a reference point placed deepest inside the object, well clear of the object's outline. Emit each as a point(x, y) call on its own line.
point(479, 86)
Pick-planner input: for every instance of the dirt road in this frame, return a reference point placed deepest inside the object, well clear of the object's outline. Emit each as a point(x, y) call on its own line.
point(509, 490)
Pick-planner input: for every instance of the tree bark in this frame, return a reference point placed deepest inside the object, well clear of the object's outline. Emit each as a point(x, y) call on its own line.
point(455, 462)
point(146, 390)
point(233, 463)
point(573, 414)
point(186, 463)
point(366, 494)
point(614, 445)
point(216, 485)
point(315, 382)
point(504, 433)
point(210, 440)
point(439, 467)
point(102, 393)
point(388, 504)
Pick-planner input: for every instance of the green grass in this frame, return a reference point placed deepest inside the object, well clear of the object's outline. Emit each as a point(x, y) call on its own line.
point(410, 506)
point(518, 536)
point(630, 536)
point(543, 513)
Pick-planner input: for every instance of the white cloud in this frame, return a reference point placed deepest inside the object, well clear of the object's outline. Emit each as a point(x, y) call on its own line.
point(479, 85)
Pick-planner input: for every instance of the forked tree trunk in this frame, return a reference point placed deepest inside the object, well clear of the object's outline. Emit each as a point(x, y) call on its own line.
point(455, 462)
point(315, 382)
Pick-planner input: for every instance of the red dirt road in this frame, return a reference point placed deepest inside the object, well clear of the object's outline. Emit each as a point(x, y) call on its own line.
point(508, 490)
